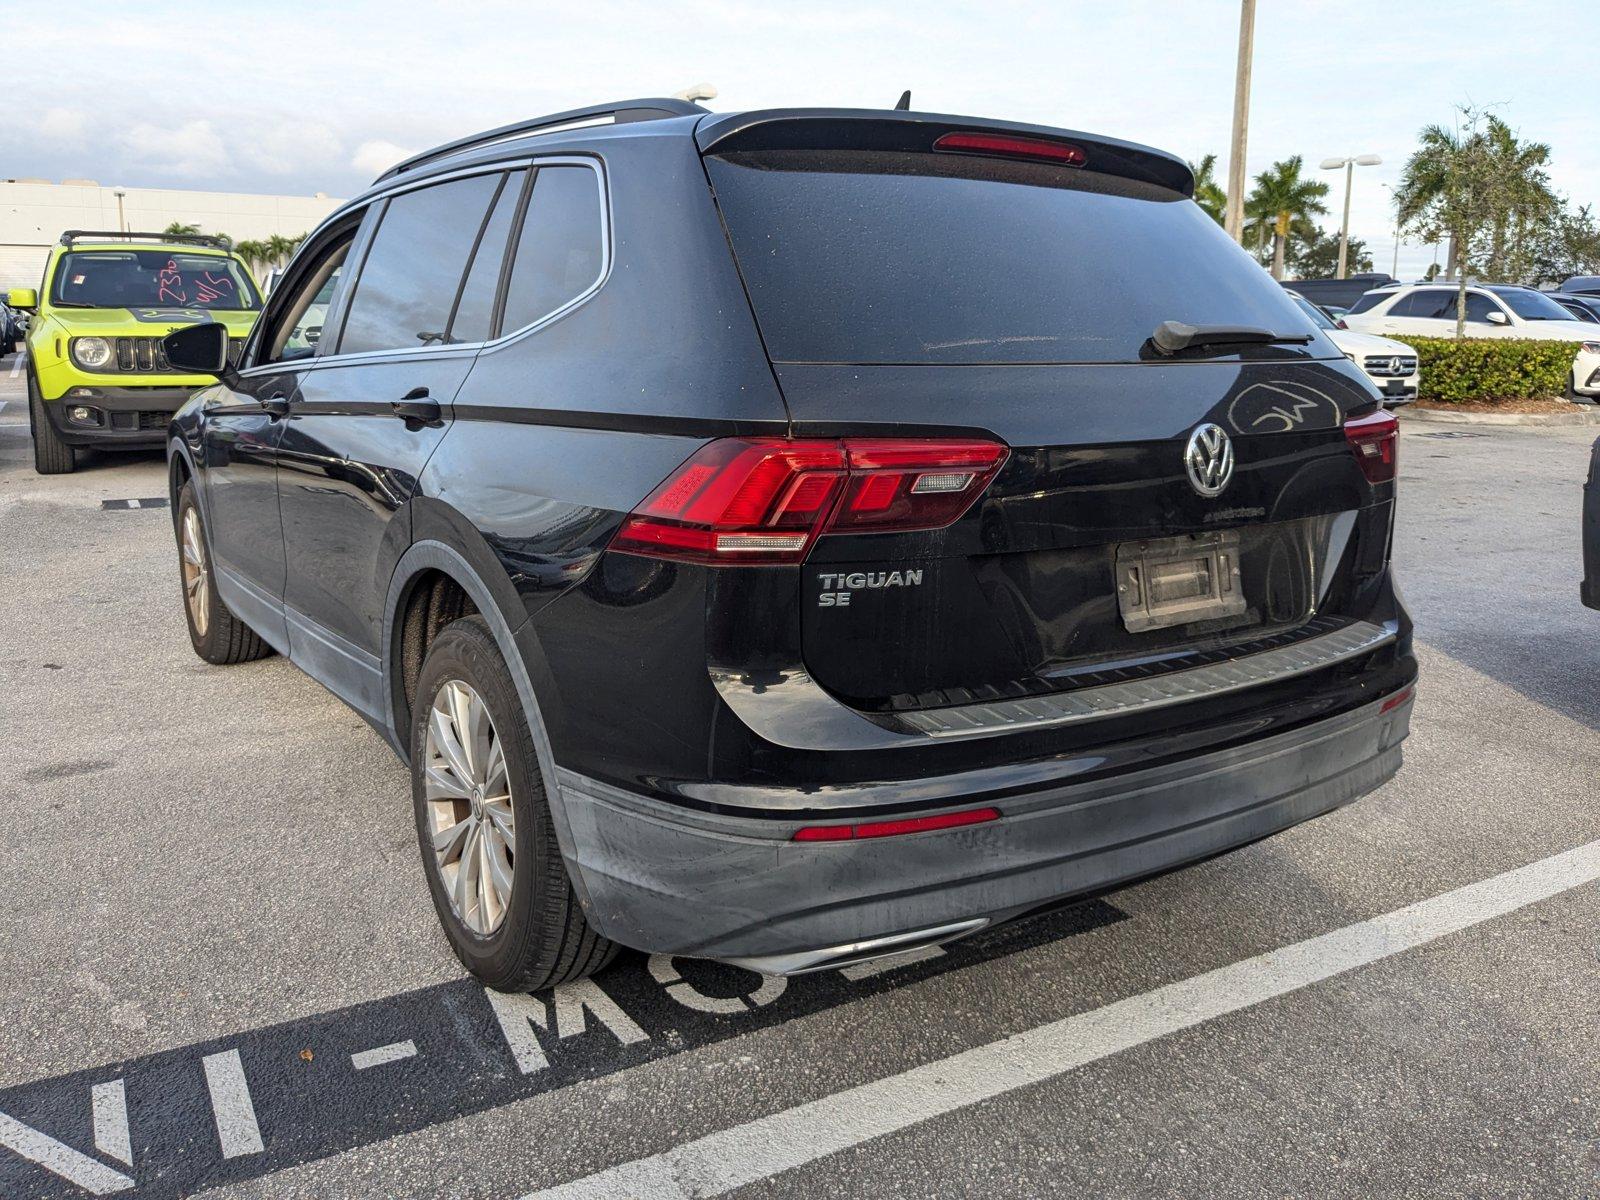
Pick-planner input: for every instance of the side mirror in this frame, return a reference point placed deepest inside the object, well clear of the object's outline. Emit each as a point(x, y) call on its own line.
point(27, 298)
point(1496, 317)
point(199, 349)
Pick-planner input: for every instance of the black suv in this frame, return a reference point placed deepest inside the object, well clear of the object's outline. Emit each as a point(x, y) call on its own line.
point(795, 537)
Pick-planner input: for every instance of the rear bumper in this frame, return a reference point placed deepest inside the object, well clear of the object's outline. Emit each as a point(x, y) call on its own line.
point(120, 416)
point(667, 879)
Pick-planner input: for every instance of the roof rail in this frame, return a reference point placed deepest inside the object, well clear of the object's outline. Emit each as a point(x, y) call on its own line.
point(653, 109)
point(193, 239)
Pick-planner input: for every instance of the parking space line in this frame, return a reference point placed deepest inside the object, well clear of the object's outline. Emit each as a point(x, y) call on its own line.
point(756, 1150)
point(231, 1105)
point(380, 1055)
point(72, 1165)
point(109, 1102)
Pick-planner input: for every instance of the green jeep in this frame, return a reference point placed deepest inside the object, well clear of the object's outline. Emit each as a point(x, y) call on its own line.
point(96, 373)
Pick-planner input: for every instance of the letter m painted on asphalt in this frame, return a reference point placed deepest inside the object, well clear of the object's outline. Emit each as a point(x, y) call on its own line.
point(573, 1004)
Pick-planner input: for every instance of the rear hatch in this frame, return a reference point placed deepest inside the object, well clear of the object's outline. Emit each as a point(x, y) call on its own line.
point(1007, 292)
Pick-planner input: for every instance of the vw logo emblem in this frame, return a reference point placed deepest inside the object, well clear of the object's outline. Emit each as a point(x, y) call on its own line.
point(1208, 459)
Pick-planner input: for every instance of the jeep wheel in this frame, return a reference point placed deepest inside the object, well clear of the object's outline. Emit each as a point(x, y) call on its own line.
point(216, 634)
point(488, 842)
point(51, 456)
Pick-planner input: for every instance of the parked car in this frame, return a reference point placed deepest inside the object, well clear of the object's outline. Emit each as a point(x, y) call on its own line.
point(12, 328)
point(1339, 292)
point(1582, 306)
point(1391, 365)
point(1493, 311)
point(96, 374)
point(737, 587)
point(1582, 285)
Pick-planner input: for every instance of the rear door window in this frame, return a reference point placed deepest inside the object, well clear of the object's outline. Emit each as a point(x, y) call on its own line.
point(1424, 303)
point(882, 257)
point(408, 282)
point(561, 246)
point(474, 316)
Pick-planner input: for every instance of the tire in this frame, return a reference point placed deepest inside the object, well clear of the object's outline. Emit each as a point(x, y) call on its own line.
point(216, 634)
point(51, 456)
point(534, 936)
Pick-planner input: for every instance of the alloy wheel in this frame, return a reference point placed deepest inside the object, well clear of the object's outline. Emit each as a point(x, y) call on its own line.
point(196, 574)
point(470, 818)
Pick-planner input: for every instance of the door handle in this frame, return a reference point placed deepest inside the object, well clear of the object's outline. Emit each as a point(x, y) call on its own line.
point(277, 404)
point(416, 409)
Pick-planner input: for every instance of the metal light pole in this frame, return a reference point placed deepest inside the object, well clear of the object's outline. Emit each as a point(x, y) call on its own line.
point(122, 221)
point(1349, 165)
point(1233, 218)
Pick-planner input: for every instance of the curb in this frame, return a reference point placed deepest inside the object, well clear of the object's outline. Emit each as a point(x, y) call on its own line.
point(1587, 415)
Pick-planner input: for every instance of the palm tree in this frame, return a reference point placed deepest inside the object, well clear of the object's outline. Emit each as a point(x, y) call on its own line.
point(1526, 202)
point(253, 252)
point(1208, 193)
point(279, 248)
point(181, 229)
point(1286, 203)
point(1426, 183)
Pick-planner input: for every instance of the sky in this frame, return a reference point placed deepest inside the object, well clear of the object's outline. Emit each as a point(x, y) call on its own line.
point(279, 96)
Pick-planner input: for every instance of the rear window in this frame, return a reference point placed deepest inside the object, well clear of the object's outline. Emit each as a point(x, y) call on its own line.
point(1369, 300)
point(872, 257)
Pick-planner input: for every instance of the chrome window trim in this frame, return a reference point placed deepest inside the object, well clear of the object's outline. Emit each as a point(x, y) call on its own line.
point(591, 162)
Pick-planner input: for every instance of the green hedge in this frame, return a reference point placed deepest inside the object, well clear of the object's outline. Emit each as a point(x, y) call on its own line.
point(1491, 368)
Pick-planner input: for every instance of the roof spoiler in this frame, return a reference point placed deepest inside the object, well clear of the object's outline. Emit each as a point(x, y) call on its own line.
point(915, 133)
point(652, 109)
point(188, 239)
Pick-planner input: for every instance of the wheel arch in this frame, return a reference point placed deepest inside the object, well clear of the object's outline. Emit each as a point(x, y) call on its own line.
point(433, 559)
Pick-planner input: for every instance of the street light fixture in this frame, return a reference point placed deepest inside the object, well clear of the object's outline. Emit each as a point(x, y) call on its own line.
point(1349, 165)
point(122, 221)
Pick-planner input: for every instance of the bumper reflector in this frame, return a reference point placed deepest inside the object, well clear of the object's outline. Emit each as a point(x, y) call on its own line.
point(1396, 700)
point(892, 828)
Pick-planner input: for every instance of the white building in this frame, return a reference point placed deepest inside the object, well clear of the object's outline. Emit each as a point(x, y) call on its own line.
point(33, 214)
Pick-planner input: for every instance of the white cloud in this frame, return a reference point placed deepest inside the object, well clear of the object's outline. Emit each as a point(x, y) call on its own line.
point(285, 147)
point(376, 157)
point(63, 126)
point(192, 150)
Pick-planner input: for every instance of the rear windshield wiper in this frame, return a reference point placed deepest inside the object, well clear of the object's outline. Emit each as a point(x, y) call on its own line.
point(1173, 337)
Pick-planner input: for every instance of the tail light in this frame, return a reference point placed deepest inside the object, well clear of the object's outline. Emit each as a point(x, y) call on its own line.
point(1339, 324)
point(767, 500)
point(1009, 146)
point(1376, 444)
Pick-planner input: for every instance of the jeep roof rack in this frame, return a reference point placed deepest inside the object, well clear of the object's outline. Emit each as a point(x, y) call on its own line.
point(195, 239)
point(652, 109)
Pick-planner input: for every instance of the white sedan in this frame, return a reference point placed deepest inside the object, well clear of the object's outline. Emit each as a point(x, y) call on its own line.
point(1391, 365)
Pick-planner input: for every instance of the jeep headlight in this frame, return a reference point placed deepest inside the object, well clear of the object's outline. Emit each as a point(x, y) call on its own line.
point(91, 353)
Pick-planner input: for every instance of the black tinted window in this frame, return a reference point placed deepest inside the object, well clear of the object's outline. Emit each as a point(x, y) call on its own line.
point(475, 309)
point(1429, 302)
point(408, 282)
point(1479, 307)
point(873, 257)
point(561, 247)
point(1369, 300)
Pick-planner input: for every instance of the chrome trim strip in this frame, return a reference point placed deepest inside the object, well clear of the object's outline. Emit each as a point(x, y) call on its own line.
point(1120, 699)
point(802, 962)
point(789, 708)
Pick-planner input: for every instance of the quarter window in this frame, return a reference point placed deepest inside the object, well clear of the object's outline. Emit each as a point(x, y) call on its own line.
point(1425, 303)
point(560, 249)
point(408, 283)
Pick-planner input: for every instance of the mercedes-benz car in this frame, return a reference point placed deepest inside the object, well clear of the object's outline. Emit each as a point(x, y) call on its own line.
point(794, 537)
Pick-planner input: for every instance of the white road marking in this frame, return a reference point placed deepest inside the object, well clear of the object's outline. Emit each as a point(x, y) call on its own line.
point(665, 972)
point(231, 1105)
point(3, 404)
point(134, 504)
point(377, 1057)
point(110, 1105)
point(16, 367)
point(745, 1154)
point(573, 1003)
point(881, 966)
point(75, 1167)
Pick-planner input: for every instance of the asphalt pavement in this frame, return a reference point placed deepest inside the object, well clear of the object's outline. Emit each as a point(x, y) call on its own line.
point(222, 975)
